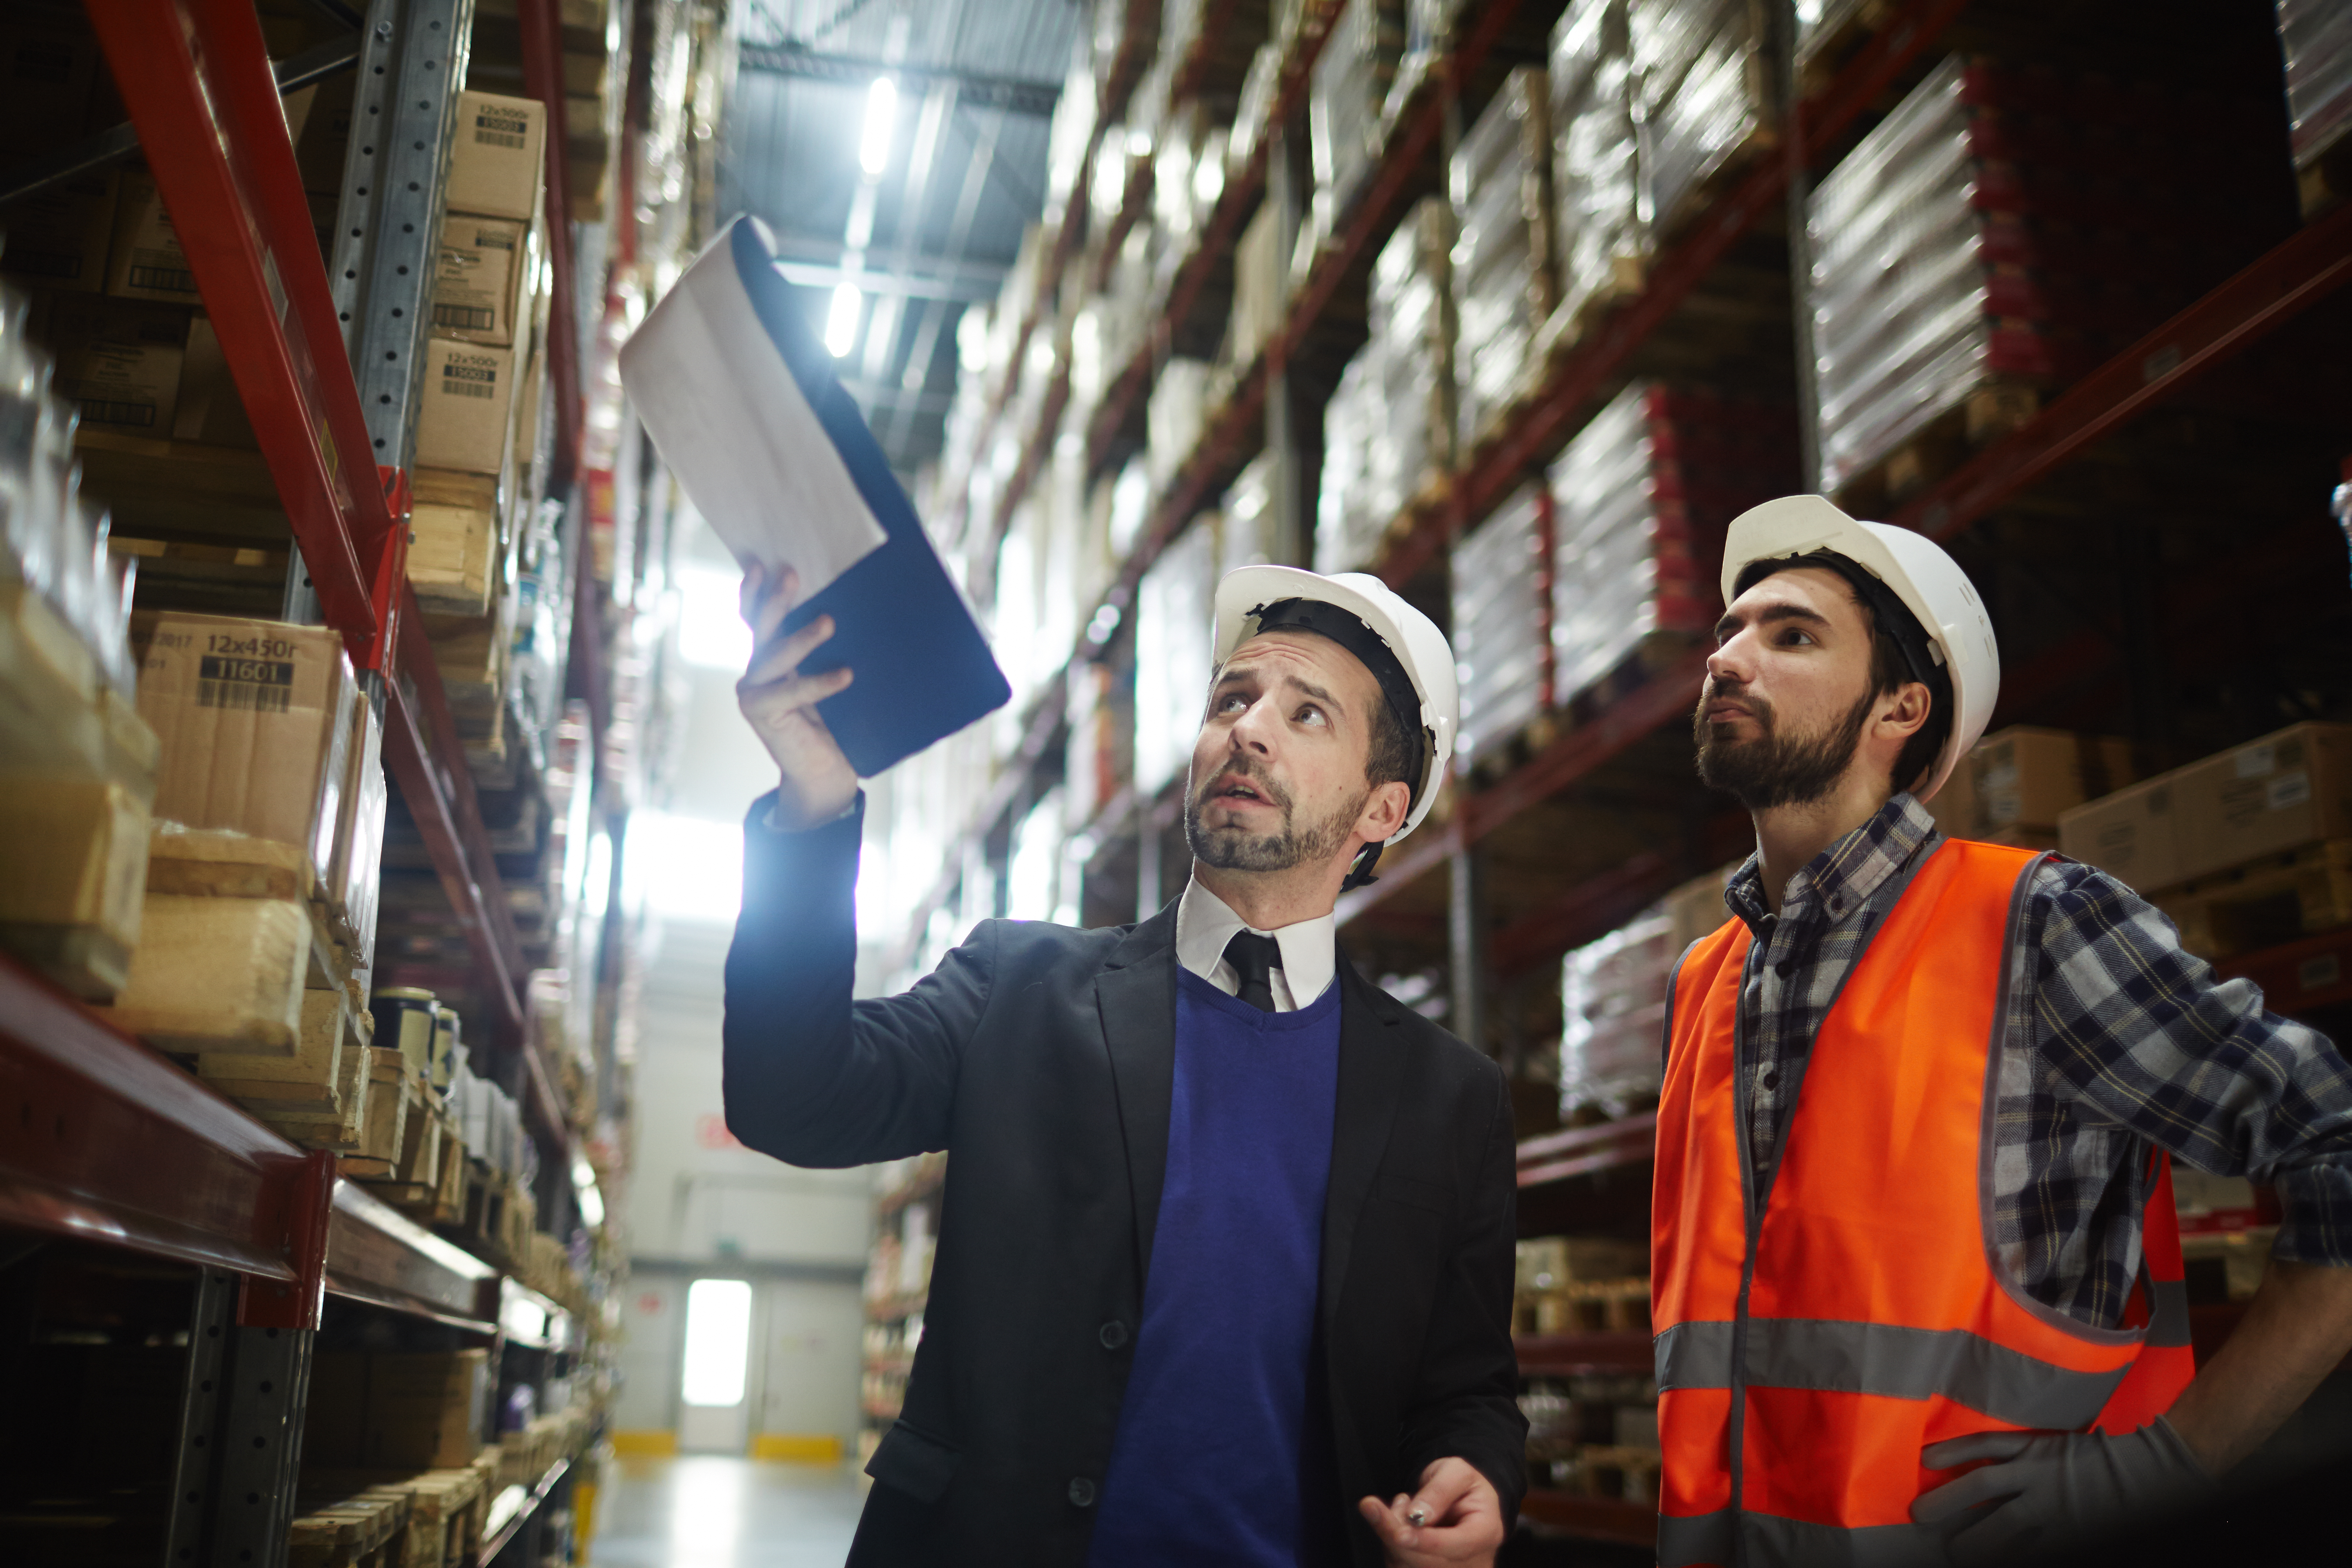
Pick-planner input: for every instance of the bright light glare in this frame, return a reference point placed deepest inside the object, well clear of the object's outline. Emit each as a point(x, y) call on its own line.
point(687, 867)
point(841, 320)
point(592, 1201)
point(711, 631)
point(881, 115)
point(717, 1341)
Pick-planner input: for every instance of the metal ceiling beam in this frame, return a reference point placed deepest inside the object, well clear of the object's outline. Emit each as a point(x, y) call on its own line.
point(962, 286)
point(1013, 95)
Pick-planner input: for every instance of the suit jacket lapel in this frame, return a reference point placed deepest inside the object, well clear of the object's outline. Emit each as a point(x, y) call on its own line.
point(1135, 997)
point(1371, 1066)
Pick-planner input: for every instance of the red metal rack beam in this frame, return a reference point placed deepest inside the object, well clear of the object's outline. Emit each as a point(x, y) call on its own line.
point(2296, 275)
point(195, 77)
point(1580, 1151)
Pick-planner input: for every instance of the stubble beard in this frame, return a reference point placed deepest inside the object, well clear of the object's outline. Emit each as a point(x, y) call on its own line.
point(1232, 848)
point(1775, 770)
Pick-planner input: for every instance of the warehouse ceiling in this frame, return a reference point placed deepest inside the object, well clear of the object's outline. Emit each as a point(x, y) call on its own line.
point(935, 228)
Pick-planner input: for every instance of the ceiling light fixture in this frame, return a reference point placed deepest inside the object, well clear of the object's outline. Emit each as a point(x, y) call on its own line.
point(841, 320)
point(881, 116)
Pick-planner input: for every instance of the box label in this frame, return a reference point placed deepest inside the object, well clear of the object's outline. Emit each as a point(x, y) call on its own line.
point(2255, 762)
point(495, 125)
point(251, 685)
point(2287, 790)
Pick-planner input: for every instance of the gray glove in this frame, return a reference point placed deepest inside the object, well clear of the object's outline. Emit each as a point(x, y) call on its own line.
point(2045, 1488)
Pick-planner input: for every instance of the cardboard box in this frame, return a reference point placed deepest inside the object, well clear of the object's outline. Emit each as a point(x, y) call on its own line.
point(218, 974)
point(122, 360)
point(144, 260)
point(58, 236)
point(2288, 789)
point(77, 880)
point(334, 1422)
point(323, 145)
point(425, 1409)
point(499, 162)
point(479, 283)
point(2025, 777)
point(466, 412)
point(210, 410)
point(2131, 835)
point(254, 719)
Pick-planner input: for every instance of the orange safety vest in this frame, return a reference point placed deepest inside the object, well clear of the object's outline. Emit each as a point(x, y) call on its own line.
point(1812, 1338)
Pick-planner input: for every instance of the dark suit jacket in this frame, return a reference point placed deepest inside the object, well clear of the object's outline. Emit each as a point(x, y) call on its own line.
point(1042, 1058)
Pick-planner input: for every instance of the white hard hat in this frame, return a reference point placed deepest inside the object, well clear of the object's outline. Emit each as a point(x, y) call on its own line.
point(1419, 648)
point(1914, 569)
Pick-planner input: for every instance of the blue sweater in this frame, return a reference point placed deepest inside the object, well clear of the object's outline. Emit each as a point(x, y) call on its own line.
point(1222, 1440)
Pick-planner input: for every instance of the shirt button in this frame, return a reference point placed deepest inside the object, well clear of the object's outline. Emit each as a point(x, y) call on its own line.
point(1082, 1493)
point(1771, 1079)
point(1112, 1334)
point(1785, 968)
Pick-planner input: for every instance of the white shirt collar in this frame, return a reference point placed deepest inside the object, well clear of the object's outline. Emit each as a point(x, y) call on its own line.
point(1205, 923)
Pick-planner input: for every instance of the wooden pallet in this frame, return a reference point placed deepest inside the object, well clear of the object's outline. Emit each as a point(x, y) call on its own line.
point(366, 1528)
point(2264, 903)
point(445, 1507)
point(1610, 1470)
point(1594, 1306)
point(1983, 416)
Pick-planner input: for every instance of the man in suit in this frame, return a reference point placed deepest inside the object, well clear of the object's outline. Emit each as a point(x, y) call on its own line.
point(1223, 1272)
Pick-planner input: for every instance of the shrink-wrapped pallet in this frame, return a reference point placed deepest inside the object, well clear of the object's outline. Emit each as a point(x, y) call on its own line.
point(1703, 86)
point(1259, 87)
point(1612, 1018)
point(1499, 618)
point(1350, 84)
point(1412, 318)
point(1173, 655)
point(1175, 416)
point(2315, 35)
point(1503, 288)
point(1640, 500)
point(2012, 227)
point(1596, 166)
point(1347, 518)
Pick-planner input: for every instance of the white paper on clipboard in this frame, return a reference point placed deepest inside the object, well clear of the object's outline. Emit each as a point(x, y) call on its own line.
point(735, 428)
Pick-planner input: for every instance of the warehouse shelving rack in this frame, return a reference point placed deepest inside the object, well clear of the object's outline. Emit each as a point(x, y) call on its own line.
point(2300, 271)
point(269, 1226)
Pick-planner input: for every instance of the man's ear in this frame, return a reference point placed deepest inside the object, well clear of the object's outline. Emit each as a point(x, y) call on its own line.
point(1384, 812)
point(1908, 710)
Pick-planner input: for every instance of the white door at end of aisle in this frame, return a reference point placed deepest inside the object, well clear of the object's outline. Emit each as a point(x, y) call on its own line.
point(715, 1371)
point(812, 1332)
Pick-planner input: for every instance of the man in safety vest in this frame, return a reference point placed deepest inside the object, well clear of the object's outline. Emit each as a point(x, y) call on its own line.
point(1916, 1272)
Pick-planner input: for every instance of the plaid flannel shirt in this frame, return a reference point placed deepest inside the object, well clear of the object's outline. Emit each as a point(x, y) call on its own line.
point(2115, 1039)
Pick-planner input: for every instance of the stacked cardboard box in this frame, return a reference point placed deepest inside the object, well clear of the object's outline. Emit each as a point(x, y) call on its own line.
point(1504, 278)
point(397, 1410)
point(1641, 498)
point(2245, 850)
point(2018, 782)
point(76, 762)
point(483, 425)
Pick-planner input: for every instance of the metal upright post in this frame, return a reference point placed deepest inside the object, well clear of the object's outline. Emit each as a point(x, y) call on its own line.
point(1466, 944)
point(240, 1440)
point(1801, 246)
point(1293, 542)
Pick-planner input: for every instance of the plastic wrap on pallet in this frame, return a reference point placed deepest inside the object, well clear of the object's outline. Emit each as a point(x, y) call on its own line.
point(1348, 522)
point(1247, 524)
point(1503, 290)
point(1174, 656)
point(1612, 1018)
point(1900, 325)
point(1172, 191)
point(1411, 317)
point(1603, 240)
point(1499, 623)
point(1705, 87)
point(1344, 101)
point(1122, 28)
point(1175, 416)
point(1819, 21)
point(2315, 35)
point(1258, 293)
point(1067, 133)
point(1130, 507)
point(1640, 500)
point(1251, 109)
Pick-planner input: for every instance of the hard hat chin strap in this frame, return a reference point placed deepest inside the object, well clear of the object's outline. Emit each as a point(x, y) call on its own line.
point(1360, 875)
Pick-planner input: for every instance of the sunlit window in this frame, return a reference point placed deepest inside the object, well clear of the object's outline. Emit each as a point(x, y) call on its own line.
point(687, 867)
point(717, 1341)
point(711, 631)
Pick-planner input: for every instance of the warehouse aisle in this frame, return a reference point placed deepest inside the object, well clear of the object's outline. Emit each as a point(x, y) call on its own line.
point(714, 1510)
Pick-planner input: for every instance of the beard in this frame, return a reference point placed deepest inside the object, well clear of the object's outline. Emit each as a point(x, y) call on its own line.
point(1775, 770)
point(1234, 849)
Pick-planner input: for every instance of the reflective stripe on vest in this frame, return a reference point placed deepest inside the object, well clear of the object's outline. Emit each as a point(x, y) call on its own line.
point(1813, 1336)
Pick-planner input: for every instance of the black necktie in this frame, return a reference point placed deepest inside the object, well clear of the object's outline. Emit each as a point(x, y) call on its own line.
point(1253, 958)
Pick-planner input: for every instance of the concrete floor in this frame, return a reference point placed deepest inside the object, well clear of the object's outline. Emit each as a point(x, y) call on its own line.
point(709, 1511)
